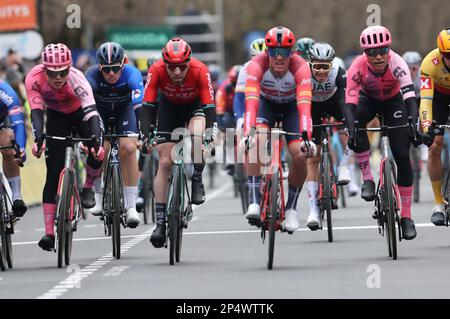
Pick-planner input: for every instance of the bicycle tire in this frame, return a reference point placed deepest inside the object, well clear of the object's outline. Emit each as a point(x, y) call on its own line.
point(9, 256)
point(273, 217)
point(63, 207)
point(147, 180)
point(327, 187)
point(390, 208)
point(68, 248)
point(243, 186)
point(416, 174)
point(174, 214)
point(3, 243)
point(212, 171)
point(116, 210)
point(342, 196)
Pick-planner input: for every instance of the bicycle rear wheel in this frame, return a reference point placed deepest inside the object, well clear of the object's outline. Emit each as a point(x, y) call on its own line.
point(242, 186)
point(63, 208)
point(390, 207)
point(174, 215)
point(416, 173)
point(273, 216)
point(116, 210)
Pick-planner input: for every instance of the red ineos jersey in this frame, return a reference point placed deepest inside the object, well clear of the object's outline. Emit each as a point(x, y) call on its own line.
point(196, 86)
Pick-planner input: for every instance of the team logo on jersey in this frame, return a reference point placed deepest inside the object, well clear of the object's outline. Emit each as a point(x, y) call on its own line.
point(435, 61)
point(15, 110)
point(305, 81)
point(136, 94)
point(6, 98)
point(425, 83)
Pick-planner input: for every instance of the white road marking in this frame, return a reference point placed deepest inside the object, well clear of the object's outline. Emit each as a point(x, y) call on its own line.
point(74, 280)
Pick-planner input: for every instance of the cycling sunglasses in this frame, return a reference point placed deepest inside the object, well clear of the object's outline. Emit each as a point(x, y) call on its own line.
point(446, 55)
point(321, 65)
point(172, 67)
point(108, 68)
point(375, 51)
point(284, 52)
point(54, 74)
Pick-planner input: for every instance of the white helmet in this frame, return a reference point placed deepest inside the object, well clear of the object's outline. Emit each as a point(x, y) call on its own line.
point(412, 57)
point(339, 62)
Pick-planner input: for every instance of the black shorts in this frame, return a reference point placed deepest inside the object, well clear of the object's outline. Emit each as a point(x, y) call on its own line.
point(175, 116)
point(441, 107)
point(329, 107)
point(269, 113)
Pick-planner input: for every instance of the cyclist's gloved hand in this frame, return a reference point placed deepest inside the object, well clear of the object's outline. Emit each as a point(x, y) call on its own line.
point(36, 151)
point(100, 154)
point(428, 136)
point(239, 123)
point(83, 148)
point(22, 155)
point(310, 151)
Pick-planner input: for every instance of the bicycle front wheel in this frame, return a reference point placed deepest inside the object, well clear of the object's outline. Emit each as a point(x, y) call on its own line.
point(390, 208)
point(174, 216)
point(273, 216)
point(327, 187)
point(3, 235)
point(147, 187)
point(63, 209)
point(116, 210)
point(242, 186)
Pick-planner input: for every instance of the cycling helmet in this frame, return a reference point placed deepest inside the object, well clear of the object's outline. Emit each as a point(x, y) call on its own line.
point(375, 37)
point(443, 40)
point(412, 57)
point(321, 51)
point(176, 51)
point(303, 45)
point(56, 57)
point(339, 62)
point(280, 37)
point(233, 73)
point(110, 53)
point(257, 46)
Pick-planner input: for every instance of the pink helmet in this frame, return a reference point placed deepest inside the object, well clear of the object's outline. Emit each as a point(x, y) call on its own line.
point(56, 57)
point(374, 37)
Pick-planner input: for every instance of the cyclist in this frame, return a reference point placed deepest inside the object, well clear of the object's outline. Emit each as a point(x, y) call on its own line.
point(302, 47)
point(186, 97)
point(64, 93)
point(328, 98)
point(224, 111)
point(278, 88)
point(118, 91)
point(379, 82)
point(12, 127)
point(435, 98)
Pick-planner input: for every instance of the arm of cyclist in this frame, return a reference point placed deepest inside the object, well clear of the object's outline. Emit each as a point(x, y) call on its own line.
point(352, 88)
point(302, 74)
point(37, 104)
point(239, 98)
point(137, 91)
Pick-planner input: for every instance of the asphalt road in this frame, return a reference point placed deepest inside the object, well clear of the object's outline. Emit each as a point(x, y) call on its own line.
point(224, 257)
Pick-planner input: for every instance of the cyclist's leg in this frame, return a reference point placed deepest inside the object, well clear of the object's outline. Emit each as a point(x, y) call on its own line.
point(396, 114)
point(126, 123)
point(366, 110)
point(11, 169)
point(228, 126)
point(435, 170)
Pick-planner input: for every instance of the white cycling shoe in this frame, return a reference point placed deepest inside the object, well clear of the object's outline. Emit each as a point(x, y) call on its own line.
point(97, 210)
point(313, 221)
point(290, 222)
point(253, 211)
point(343, 175)
point(132, 217)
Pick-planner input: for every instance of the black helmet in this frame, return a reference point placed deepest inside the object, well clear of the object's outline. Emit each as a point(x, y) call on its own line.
point(110, 53)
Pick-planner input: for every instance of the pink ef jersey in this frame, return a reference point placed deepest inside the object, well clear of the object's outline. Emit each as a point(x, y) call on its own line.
point(380, 87)
point(74, 94)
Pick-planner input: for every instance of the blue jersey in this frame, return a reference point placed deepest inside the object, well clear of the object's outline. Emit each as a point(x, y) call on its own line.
point(10, 106)
point(127, 91)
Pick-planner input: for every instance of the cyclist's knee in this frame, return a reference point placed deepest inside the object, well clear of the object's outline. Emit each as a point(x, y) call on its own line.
point(165, 164)
point(435, 150)
point(128, 149)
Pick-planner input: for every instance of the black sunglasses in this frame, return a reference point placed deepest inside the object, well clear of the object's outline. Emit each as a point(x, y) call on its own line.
point(108, 68)
point(54, 74)
point(446, 55)
point(375, 51)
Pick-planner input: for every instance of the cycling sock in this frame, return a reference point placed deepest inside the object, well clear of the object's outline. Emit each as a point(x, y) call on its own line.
point(313, 187)
point(130, 196)
point(364, 165)
point(405, 195)
point(98, 185)
point(91, 174)
point(160, 209)
point(437, 191)
point(198, 171)
point(346, 157)
point(254, 185)
point(14, 183)
point(294, 192)
point(49, 218)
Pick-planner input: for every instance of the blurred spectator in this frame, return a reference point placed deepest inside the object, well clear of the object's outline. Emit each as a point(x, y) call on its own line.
point(83, 62)
point(13, 60)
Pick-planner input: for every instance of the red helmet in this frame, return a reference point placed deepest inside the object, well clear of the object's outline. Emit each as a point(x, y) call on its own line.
point(280, 37)
point(176, 51)
point(233, 73)
point(56, 57)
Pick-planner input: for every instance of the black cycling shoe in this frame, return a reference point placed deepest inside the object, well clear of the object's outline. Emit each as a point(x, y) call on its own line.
point(408, 228)
point(198, 191)
point(158, 237)
point(47, 242)
point(19, 208)
point(368, 191)
point(230, 169)
point(438, 218)
point(87, 198)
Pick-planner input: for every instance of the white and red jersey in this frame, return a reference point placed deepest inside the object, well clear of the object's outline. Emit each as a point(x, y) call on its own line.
point(74, 94)
point(294, 85)
point(381, 87)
